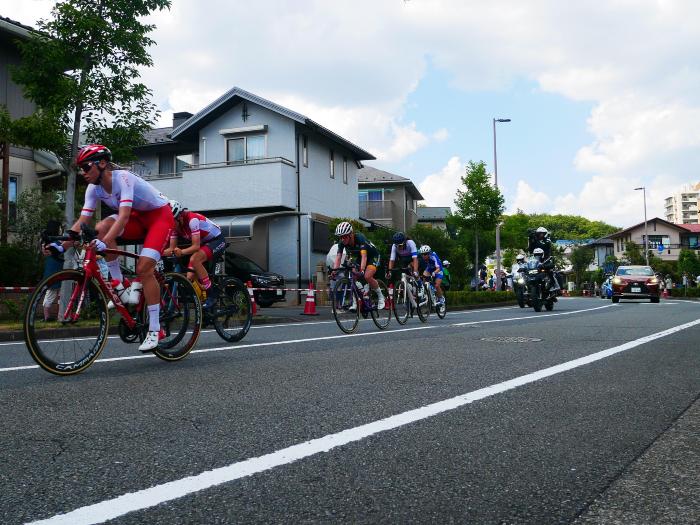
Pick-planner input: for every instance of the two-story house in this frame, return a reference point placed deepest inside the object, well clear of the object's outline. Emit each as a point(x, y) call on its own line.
point(22, 168)
point(270, 177)
point(387, 199)
point(665, 239)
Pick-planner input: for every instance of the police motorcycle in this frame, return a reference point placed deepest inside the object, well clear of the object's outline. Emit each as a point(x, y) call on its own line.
point(538, 285)
point(520, 282)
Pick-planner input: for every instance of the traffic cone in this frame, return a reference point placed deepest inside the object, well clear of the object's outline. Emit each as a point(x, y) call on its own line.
point(310, 304)
point(665, 294)
point(249, 285)
point(390, 303)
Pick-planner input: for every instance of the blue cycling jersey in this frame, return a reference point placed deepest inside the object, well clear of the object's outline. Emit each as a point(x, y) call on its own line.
point(433, 263)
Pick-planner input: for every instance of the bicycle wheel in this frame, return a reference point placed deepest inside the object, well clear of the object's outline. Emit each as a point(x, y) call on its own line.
point(71, 344)
point(441, 309)
point(381, 317)
point(180, 318)
point(346, 311)
point(402, 303)
point(232, 313)
point(423, 300)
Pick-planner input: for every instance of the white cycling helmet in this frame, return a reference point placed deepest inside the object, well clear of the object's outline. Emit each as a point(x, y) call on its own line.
point(343, 228)
point(521, 256)
point(445, 262)
point(176, 207)
point(424, 249)
point(538, 252)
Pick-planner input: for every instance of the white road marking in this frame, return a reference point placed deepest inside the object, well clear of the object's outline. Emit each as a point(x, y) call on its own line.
point(322, 338)
point(150, 497)
point(280, 325)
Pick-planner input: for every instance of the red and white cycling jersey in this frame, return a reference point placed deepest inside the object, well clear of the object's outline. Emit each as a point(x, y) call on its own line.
point(196, 224)
point(128, 189)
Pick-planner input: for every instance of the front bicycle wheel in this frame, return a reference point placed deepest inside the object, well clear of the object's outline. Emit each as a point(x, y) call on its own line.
point(441, 308)
point(346, 311)
point(380, 316)
point(423, 300)
point(402, 304)
point(232, 313)
point(73, 342)
point(180, 317)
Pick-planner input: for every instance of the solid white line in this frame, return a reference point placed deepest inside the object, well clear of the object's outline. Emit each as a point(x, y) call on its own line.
point(323, 338)
point(146, 498)
point(300, 323)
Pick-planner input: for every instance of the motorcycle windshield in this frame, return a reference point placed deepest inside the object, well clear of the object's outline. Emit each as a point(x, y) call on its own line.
point(532, 263)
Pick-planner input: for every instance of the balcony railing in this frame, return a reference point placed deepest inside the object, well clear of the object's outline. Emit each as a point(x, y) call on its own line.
point(233, 163)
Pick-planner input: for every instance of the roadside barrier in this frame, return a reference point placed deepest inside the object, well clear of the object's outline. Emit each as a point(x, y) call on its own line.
point(310, 303)
point(249, 285)
point(16, 289)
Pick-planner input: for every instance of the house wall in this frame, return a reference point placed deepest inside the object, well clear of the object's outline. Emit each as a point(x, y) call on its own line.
point(637, 235)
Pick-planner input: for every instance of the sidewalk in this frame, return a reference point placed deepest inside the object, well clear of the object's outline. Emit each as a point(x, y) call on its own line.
point(662, 486)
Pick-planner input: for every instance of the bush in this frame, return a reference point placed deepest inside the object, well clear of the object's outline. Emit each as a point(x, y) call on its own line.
point(20, 266)
point(465, 298)
point(684, 292)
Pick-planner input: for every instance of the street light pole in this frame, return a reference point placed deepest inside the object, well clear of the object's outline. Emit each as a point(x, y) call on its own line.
point(646, 233)
point(498, 225)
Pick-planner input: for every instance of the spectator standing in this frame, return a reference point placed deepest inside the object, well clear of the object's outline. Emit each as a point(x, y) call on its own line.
point(53, 263)
point(669, 283)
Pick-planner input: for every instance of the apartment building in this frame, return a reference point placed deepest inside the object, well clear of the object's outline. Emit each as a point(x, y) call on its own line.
point(682, 207)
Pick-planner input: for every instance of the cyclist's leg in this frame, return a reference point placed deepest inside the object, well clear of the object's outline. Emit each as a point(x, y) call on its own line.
point(370, 270)
point(438, 287)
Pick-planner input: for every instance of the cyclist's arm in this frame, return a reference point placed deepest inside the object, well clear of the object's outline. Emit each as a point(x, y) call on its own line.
point(414, 263)
point(392, 257)
point(173, 244)
point(118, 226)
point(363, 261)
point(194, 248)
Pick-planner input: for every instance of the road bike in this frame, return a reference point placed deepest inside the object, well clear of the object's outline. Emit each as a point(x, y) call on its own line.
point(232, 313)
point(349, 301)
point(77, 339)
point(405, 298)
point(427, 300)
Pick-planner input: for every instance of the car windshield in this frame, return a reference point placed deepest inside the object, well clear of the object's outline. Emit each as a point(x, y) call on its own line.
point(644, 270)
point(242, 263)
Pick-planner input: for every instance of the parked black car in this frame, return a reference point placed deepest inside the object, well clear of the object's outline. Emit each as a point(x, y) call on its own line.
point(246, 270)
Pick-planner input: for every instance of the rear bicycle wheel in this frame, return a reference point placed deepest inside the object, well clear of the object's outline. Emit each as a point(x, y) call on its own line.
point(180, 317)
point(73, 342)
point(381, 317)
point(346, 309)
point(441, 308)
point(232, 313)
point(401, 304)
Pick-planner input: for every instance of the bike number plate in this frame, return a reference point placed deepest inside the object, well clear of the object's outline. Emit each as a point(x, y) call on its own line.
point(636, 290)
point(279, 292)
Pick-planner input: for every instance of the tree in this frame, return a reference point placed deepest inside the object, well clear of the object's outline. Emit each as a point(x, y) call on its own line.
point(581, 257)
point(82, 69)
point(479, 204)
point(34, 210)
point(688, 263)
point(633, 253)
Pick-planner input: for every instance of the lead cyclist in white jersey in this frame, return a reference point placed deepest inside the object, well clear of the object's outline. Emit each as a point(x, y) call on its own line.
point(144, 213)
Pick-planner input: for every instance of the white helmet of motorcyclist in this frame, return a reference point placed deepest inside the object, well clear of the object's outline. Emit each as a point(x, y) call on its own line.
point(542, 229)
point(538, 252)
point(521, 257)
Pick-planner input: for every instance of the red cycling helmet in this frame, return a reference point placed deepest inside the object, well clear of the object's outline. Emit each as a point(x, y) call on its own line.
point(92, 152)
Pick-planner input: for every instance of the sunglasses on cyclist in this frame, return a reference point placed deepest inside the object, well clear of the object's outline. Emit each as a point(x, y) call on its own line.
point(86, 167)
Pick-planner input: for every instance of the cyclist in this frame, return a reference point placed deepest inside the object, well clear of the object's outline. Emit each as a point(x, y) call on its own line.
point(356, 245)
point(405, 250)
point(143, 214)
point(432, 268)
point(207, 243)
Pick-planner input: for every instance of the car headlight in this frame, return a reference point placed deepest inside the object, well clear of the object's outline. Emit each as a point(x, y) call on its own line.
point(617, 280)
point(653, 280)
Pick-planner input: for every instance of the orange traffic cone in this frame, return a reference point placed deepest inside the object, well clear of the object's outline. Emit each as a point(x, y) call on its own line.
point(310, 304)
point(249, 285)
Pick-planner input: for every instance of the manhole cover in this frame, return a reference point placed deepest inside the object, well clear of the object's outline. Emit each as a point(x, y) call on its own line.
point(511, 339)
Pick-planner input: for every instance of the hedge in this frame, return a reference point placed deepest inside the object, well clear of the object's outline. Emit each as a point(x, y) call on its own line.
point(684, 292)
point(465, 298)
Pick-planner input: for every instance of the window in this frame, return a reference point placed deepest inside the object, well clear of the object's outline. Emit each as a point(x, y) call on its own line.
point(655, 240)
point(320, 237)
point(693, 241)
point(345, 170)
point(165, 163)
point(242, 149)
point(370, 195)
point(183, 161)
point(332, 167)
point(12, 198)
point(305, 151)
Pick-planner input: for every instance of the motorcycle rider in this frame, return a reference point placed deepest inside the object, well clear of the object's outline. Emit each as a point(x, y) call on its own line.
point(547, 264)
point(540, 239)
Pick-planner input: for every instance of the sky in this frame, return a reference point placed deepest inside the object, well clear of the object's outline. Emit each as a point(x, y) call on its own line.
point(603, 97)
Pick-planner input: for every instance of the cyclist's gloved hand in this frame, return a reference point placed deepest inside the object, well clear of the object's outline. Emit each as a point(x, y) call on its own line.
point(99, 245)
point(55, 248)
point(388, 274)
point(416, 275)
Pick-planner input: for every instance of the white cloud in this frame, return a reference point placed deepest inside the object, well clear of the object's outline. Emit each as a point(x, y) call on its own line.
point(529, 200)
point(441, 135)
point(440, 189)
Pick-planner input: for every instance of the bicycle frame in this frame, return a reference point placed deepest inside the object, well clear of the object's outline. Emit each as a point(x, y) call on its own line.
point(362, 301)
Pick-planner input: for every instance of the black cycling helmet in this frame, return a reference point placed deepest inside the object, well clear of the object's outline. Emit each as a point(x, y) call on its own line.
point(399, 238)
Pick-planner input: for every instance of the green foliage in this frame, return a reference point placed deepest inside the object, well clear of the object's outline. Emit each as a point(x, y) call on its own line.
point(688, 263)
point(466, 298)
point(685, 292)
point(633, 254)
point(508, 257)
point(34, 210)
point(514, 231)
point(580, 257)
point(13, 309)
point(20, 266)
point(437, 239)
point(479, 204)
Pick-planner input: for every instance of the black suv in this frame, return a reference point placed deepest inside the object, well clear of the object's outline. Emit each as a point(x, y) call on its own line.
point(246, 270)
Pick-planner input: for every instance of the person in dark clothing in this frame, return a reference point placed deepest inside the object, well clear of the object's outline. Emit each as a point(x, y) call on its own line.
point(52, 263)
point(540, 239)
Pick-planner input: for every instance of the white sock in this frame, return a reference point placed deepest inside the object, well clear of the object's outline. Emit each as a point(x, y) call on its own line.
point(154, 317)
point(115, 270)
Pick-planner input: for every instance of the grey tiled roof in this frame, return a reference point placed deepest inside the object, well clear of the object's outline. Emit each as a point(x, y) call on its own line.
point(433, 213)
point(375, 177)
point(158, 136)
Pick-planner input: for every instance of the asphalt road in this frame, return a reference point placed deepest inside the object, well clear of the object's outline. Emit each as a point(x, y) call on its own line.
point(444, 422)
